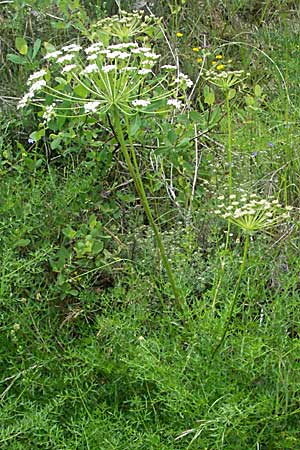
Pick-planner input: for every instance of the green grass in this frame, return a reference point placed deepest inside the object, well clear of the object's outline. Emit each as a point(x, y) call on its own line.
point(93, 353)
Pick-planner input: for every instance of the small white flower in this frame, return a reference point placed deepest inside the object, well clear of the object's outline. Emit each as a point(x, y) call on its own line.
point(37, 85)
point(49, 113)
point(92, 57)
point(151, 55)
point(94, 48)
point(113, 55)
point(109, 68)
point(72, 48)
point(182, 78)
point(69, 67)
point(123, 55)
point(53, 55)
point(176, 103)
point(148, 62)
point(128, 69)
point(24, 100)
point(144, 49)
point(91, 106)
point(169, 67)
point(36, 75)
point(64, 58)
point(123, 46)
point(116, 47)
point(140, 102)
point(144, 71)
point(90, 69)
point(132, 44)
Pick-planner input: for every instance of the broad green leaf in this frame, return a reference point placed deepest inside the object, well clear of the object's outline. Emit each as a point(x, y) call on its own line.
point(22, 243)
point(36, 47)
point(49, 47)
point(172, 136)
point(196, 116)
point(209, 96)
point(16, 59)
point(135, 125)
point(97, 247)
point(37, 135)
point(69, 232)
point(80, 91)
point(231, 94)
point(21, 45)
point(92, 221)
point(249, 100)
point(257, 90)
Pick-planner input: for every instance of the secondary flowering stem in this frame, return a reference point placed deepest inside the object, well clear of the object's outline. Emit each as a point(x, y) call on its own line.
point(229, 142)
point(135, 174)
point(235, 294)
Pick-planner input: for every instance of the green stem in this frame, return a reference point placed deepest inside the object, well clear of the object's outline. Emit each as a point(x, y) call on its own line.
point(229, 161)
point(229, 142)
point(235, 295)
point(135, 174)
point(263, 14)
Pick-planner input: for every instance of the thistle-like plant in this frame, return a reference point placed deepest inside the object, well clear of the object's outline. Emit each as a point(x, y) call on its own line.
point(116, 81)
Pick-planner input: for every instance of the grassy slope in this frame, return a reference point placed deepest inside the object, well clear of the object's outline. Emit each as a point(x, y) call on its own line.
point(102, 360)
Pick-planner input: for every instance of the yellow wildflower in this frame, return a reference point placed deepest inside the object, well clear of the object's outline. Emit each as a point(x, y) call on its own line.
point(214, 62)
point(219, 57)
point(199, 60)
point(220, 66)
point(178, 34)
point(196, 49)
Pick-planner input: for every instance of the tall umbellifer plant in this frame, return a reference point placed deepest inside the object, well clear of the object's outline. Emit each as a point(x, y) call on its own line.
point(116, 80)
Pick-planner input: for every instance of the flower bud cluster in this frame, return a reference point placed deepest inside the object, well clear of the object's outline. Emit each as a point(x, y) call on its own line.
point(128, 26)
point(251, 213)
